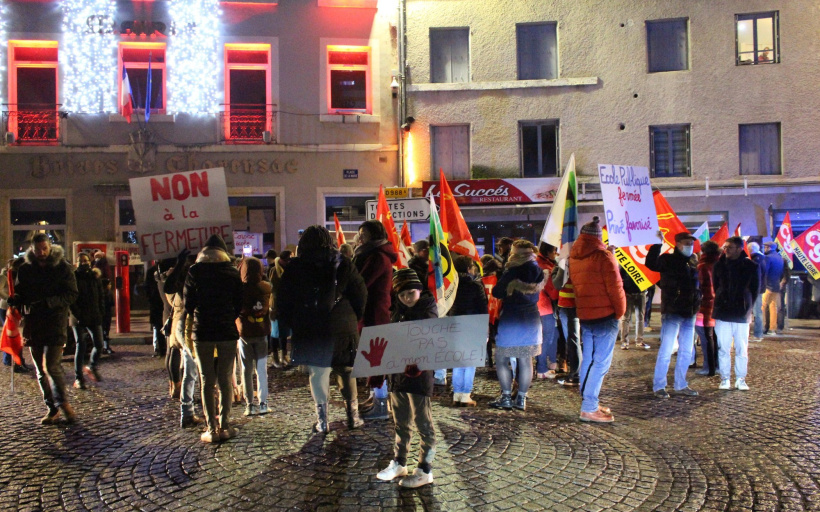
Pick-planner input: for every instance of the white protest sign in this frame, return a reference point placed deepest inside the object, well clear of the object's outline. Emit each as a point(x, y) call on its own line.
point(631, 217)
point(180, 210)
point(432, 344)
point(245, 240)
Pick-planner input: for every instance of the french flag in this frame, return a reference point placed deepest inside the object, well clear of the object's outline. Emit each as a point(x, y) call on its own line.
point(127, 106)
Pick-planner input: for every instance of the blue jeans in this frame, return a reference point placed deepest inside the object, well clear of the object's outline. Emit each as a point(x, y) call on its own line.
point(463, 379)
point(681, 328)
point(440, 374)
point(571, 328)
point(380, 392)
point(598, 340)
point(190, 376)
point(549, 345)
point(758, 312)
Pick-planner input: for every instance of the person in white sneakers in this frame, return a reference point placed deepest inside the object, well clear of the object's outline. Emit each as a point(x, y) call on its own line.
point(735, 277)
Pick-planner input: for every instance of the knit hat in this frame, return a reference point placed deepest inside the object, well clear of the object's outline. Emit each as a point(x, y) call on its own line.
point(406, 279)
point(593, 228)
point(216, 242)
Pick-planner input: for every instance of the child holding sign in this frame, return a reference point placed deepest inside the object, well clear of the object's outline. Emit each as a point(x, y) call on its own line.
point(411, 391)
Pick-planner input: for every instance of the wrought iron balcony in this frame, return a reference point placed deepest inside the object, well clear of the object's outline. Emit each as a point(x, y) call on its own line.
point(248, 123)
point(33, 123)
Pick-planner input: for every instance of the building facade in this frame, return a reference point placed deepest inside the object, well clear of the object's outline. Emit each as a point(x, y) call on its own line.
point(292, 98)
point(717, 99)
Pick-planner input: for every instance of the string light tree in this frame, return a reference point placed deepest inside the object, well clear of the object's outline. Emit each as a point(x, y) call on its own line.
point(193, 56)
point(88, 56)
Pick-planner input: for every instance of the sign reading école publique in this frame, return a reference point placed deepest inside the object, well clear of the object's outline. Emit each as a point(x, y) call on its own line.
point(431, 344)
point(631, 217)
point(180, 211)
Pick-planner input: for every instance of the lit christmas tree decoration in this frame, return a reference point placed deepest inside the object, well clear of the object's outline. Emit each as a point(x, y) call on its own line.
point(88, 56)
point(193, 56)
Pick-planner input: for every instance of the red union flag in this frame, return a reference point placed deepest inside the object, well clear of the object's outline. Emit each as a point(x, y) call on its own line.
point(340, 235)
point(807, 249)
point(405, 234)
point(384, 216)
point(668, 220)
point(722, 235)
point(460, 241)
point(784, 240)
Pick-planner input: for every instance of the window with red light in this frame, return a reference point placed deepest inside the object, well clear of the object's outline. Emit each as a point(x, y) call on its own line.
point(33, 116)
point(135, 58)
point(248, 109)
point(349, 79)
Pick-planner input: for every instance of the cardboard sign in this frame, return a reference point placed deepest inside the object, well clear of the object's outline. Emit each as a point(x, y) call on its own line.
point(631, 216)
point(180, 210)
point(243, 240)
point(432, 344)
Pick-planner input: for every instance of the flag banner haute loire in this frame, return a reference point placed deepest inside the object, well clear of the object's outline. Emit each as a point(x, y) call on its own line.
point(784, 240)
point(807, 249)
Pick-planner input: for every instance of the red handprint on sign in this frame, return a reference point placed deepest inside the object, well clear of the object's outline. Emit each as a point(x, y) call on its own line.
point(377, 346)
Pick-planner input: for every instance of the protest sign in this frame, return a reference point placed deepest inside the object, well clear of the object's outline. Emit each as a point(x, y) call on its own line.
point(633, 260)
point(432, 344)
point(631, 216)
point(180, 211)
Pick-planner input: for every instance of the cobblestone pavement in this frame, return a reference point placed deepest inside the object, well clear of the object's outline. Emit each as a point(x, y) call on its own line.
point(723, 450)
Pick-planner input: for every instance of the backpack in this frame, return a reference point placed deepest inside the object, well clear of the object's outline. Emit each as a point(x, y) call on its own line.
point(316, 299)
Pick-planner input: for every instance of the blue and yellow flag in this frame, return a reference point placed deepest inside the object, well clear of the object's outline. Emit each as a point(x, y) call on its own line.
point(443, 276)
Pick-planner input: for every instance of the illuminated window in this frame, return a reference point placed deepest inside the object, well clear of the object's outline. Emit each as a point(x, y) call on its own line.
point(451, 151)
point(449, 55)
point(348, 79)
point(248, 109)
point(135, 58)
point(667, 44)
point(33, 89)
point(758, 38)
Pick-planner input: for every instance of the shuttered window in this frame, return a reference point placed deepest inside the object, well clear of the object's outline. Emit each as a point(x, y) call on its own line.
point(667, 45)
point(537, 51)
point(760, 149)
point(669, 151)
point(451, 151)
point(449, 55)
point(539, 148)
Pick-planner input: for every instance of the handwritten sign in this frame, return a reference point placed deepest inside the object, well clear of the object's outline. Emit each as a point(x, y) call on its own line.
point(244, 239)
point(631, 217)
point(433, 344)
point(179, 211)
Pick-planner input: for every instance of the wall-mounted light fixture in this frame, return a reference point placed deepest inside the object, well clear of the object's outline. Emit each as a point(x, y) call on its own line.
point(407, 122)
point(394, 87)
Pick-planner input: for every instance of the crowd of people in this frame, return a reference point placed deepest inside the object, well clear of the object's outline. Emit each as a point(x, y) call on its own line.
point(551, 317)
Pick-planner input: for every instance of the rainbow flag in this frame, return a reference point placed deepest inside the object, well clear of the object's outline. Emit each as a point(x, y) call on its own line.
point(443, 277)
point(561, 228)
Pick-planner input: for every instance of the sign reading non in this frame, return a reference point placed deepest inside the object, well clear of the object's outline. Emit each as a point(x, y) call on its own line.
point(416, 209)
point(350, 174)
point(631, 217)
point(180, 211)
point(433, 344)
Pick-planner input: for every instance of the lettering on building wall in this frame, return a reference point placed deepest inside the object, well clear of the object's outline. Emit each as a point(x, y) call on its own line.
point(43, 167)
point(184, 163)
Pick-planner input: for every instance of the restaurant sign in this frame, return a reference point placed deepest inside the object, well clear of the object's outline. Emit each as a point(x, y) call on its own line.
point(498, 191)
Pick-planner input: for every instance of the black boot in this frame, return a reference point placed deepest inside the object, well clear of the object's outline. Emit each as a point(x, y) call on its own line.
point(503, 402)
point(321, 426)
point(379, 410)
point(353, 419)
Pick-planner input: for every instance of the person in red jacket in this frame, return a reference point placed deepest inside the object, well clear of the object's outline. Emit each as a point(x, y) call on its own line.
point(704, 323)
point(546, 361)
point(600, 303)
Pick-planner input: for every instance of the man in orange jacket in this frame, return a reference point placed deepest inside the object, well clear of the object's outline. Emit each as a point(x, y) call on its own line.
point(600, 303)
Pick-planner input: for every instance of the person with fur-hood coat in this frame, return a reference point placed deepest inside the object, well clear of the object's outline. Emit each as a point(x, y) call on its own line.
point(213, 299)
point(254, 328)
point(44, 289)
point(519, 325)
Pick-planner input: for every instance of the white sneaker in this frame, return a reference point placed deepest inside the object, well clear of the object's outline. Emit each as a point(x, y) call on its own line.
point(741, 385)
point(725, 384)
point(418, 479)
point(394, 470)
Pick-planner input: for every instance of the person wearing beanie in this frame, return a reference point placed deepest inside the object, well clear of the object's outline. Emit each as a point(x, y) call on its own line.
point(600, 303)
point(213, 300)
point(704, 322)
point(762, 266)
point(322, 298)
point(680, 303)
point(411, 391)
point(519, 326)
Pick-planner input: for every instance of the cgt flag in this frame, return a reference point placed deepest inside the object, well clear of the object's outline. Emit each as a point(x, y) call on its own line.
point(11, 339)
point(340, 235)
point(386, 218)
point(784, 241)
point(807, 249)
point(460, 241)
point(443, 278)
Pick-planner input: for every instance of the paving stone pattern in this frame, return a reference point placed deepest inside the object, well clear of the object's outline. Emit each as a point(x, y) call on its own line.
point(723, 450)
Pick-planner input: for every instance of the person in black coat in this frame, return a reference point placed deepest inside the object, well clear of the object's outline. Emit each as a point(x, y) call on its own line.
point(88, 310)
point(213, 299)
point(411, 391)
point(470, 300)
point(736, 282)
point(322, 297)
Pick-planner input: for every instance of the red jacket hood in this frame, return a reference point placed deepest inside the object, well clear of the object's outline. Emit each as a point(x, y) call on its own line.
point(585, 246)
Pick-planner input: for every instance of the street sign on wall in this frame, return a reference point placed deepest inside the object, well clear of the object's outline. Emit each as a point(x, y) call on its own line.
point(412, 209)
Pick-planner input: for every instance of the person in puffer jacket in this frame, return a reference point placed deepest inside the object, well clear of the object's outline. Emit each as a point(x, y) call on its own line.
point(254, 328)
point(600, 303)
point(213, 299)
